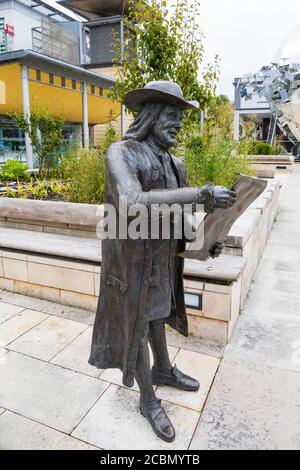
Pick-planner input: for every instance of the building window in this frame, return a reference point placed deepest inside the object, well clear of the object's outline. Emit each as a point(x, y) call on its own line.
point(51, 78)
point(12, 142)
point(38, 75)
point(63, 81)
point(100, 91)
point(92, 89)
point(74, 84)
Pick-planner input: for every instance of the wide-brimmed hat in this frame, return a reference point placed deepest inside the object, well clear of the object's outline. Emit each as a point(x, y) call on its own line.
point(160, 91)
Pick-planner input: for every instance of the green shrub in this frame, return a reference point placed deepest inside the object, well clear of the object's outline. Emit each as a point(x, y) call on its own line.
point(41, 190)
point(216, 161)
point(85, 171)
point(278, 149)
point(14, 170)
point(261, 148)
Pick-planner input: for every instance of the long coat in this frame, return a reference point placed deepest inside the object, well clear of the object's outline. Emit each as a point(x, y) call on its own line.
point(131, 171)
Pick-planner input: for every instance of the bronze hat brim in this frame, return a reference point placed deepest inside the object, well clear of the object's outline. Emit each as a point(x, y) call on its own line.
point(136, 98)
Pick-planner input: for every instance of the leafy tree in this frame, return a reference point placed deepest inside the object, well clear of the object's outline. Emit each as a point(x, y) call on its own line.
point(219, 119)
point(165, 43)
point(45, 131)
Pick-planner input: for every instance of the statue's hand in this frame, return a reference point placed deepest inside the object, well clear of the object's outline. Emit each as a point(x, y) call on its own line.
point(217, 249)
point(224, 198)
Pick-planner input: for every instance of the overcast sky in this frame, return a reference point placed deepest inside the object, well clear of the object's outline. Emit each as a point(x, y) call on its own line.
point(246, 34)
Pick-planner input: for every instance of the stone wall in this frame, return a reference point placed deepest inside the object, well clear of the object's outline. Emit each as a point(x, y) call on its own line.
point(266, 166)
point(49, 250)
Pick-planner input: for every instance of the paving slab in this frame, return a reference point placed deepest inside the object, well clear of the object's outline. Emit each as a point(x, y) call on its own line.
point(264, 299)
point(201, 367)
point(3, 351)
point(19, 324)
point(48, 338)
point(251, 408)
point(76, 355)
point(115, 423)
point(71, 313)
point(192, 343)
point(23, 301)
point(289, 262)
point(275, 281)
point(20, 433)
point(46, 393)
point(115, 375)
point(286, 231)
point(7, 311)
point(267, 340)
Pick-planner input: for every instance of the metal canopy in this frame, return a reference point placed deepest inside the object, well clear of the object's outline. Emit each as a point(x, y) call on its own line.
point(55, 9)
point(48, 64)
point(93, 8)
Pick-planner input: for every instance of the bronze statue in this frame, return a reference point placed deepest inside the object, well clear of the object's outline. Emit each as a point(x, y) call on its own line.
point(142, 280)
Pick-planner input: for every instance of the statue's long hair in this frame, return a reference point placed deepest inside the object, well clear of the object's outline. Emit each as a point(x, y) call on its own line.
point(142, 124)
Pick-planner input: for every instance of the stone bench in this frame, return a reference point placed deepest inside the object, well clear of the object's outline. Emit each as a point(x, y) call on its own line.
point(66, 269)
point(46, 254)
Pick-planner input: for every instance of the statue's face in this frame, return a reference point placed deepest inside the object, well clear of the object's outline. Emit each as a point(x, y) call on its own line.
point(167, 126)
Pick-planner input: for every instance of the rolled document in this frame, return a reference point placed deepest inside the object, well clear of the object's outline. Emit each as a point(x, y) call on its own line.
point(216, 226)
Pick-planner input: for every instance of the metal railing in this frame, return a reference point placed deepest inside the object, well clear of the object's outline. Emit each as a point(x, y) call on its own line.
point(56, 42)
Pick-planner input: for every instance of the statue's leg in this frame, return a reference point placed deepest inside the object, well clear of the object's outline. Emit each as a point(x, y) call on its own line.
point(158, 342)
point(162, 371)
point(142, 371)
point(150, 406)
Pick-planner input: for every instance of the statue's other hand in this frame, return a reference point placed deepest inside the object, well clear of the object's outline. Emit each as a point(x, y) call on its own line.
point(224, 197)
point(217, 249)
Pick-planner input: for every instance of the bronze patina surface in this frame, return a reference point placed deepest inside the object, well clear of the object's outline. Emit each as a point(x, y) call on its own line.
point(142, 279)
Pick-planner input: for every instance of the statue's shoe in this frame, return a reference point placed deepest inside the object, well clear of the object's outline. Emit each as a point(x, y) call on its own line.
point(158, 419)
point(176, 379)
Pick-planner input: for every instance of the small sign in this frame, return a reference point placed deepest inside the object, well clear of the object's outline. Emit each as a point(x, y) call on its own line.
point(193, 301)
point(9, 29)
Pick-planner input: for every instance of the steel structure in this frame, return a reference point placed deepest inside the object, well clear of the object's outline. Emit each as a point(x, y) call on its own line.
point(280, 86)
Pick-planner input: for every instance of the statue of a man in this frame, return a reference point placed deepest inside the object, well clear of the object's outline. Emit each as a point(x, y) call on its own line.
point(142, 280)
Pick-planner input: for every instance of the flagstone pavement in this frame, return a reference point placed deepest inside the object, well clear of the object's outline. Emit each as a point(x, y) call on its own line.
point(51, 398)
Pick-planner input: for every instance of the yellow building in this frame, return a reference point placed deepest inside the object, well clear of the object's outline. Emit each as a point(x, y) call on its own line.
point(80, 95)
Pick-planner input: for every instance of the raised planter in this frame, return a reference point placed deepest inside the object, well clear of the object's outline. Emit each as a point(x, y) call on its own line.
point(50, 250)
point(63, 218)
point(249, 235)
point(266, 166)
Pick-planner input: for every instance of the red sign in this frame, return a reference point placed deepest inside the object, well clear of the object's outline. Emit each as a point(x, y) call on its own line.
point(9, 29)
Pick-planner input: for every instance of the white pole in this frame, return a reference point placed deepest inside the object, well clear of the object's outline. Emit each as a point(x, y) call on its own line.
point(85, 117)
point(236, 126)
point(26, 113)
